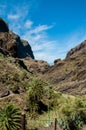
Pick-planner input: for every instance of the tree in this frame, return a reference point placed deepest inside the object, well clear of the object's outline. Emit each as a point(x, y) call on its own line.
point(35, 96)
point(10, 118)
point(36, 90)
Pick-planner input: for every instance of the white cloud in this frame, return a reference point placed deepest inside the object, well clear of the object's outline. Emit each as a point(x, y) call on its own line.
point(37, 35)
point(59, 49)
point(47, 49)
point(40, 28)
point(13, 16)
point(42, 46)
point(17, 20)
point(28, 24)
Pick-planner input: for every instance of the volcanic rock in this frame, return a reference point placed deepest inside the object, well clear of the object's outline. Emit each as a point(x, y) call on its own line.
point(11, 44)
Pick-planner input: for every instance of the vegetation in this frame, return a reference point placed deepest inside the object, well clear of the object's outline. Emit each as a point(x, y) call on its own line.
point(35, 97)
point(10, 118)
point(72, 114)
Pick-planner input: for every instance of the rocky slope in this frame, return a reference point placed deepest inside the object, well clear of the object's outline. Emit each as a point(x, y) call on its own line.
point(11, 44)
point(69, 75)
point(17, 66)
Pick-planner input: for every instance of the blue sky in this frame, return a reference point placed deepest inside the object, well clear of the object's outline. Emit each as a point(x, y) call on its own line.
point(52, 27)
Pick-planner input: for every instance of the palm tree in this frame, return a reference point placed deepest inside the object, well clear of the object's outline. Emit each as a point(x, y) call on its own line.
point(10, 118)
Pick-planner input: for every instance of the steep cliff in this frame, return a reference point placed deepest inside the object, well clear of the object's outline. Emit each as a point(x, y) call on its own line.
point(11, 44)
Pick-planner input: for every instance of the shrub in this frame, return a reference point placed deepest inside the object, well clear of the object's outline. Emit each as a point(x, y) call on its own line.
point(72, 114)
point(10, 118)
point(75, 121)
point(35, 95)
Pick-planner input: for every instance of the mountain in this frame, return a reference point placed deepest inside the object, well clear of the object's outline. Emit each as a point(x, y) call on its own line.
point(69, 75)
point(17, 66)
point(38, 88)
point(11, 44)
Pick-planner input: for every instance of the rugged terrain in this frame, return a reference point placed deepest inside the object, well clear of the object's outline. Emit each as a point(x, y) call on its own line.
point(66, 79)
point(17, 60)
point(69, 75)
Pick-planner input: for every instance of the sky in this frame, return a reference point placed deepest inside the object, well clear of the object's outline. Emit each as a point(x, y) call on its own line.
point(52, 27)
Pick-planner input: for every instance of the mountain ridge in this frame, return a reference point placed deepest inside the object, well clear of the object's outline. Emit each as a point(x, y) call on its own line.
point(12, 44)
point(18, 67)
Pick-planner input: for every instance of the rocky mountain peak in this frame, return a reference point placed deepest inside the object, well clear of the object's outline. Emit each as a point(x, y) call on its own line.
point(3, 26)
point(12, 44)
point(81, 48)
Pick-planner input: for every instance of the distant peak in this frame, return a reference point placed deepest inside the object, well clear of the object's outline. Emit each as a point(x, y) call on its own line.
point(3, 26)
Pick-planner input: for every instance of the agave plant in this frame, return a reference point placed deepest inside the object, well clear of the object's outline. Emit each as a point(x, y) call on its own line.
point(10, 118)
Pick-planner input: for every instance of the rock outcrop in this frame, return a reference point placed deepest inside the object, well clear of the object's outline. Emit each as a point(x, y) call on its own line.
point(36, 66)
point(78, 50)
point(3, 26)
point(3, 91)
point(11, 44)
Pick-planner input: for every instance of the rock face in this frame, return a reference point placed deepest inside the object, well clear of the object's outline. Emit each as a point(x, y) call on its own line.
point(69, 75)
point(11, 44)
point(3, 26)
point(80, 49)
point(4, 91)
point(36, 66)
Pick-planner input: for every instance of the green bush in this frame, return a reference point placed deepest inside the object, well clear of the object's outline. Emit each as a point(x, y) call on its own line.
point(10, 118)
point(75, 121)
point(72, 114)
point(35, 97)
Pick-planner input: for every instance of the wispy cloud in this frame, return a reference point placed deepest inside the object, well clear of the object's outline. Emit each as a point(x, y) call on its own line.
point(28, 24)
point(39, 40)
point(37, 35)
point(40, 28)
point(13, 16)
